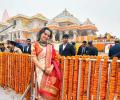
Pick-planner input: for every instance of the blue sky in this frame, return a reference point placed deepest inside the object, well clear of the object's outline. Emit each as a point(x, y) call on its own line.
point(105, 14)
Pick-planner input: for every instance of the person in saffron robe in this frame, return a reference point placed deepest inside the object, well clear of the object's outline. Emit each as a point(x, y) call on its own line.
point(47, 68)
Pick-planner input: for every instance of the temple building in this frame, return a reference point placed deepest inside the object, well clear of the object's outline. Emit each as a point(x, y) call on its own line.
point(64, 23)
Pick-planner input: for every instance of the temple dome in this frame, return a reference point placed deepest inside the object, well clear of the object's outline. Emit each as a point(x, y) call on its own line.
point(39, 16)
point(65, 16)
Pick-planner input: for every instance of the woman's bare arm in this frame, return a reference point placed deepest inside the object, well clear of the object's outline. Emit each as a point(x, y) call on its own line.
point(34, 58)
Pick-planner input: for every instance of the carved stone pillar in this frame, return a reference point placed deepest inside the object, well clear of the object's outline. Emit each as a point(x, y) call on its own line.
point(74, 35)
point(22, 35)
point(54, 33)
point(60, 34)
point(18, 34)
point(10, 36)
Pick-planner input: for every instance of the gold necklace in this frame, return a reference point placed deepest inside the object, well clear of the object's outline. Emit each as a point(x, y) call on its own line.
point(43, 43)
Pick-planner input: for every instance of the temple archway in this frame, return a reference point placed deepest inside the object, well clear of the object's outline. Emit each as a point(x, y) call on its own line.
point(57, 36)
point(71, 34)
point(84, 33)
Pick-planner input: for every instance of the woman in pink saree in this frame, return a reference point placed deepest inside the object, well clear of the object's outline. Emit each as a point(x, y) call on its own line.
point(47, 68)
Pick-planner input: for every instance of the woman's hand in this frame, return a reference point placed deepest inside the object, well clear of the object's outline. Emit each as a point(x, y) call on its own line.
point(35, 60)
point(49, 70)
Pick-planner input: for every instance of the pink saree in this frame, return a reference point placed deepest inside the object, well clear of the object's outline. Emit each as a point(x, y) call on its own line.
point(50, 85)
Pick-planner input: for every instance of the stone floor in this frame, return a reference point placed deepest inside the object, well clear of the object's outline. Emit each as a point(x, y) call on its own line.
point(8, 94)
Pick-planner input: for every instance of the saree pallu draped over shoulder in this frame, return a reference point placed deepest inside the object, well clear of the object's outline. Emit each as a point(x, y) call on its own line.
point(49, 84)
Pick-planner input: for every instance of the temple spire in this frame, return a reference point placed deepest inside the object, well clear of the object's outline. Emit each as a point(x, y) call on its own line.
point(5, 16)
point(88, 21)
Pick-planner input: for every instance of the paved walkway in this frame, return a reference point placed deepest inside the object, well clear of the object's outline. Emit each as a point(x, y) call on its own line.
point(8, 94)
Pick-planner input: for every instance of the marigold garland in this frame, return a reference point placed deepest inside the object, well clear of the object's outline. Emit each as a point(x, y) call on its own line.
point(12, 72)
point(118, 83)
point(104, 77)
point(82, 78)
point(92, 78)
point(96, 74)
point(3, 71)
point(66, 73)
point(16, 70)
point(75, 79)
point(86, 78)
point(0, 68)
point(112, 86)
point(70, 87)
point(17, 74)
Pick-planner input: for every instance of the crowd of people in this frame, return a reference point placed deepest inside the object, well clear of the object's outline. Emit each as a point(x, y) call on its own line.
point(69, 49)
point(87, 48)
point(65, 49)
point(15, 47)
point(43, 53)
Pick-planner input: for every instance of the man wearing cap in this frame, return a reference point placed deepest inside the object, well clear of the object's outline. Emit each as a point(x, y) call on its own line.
point(66, 49)
point(83, 49)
